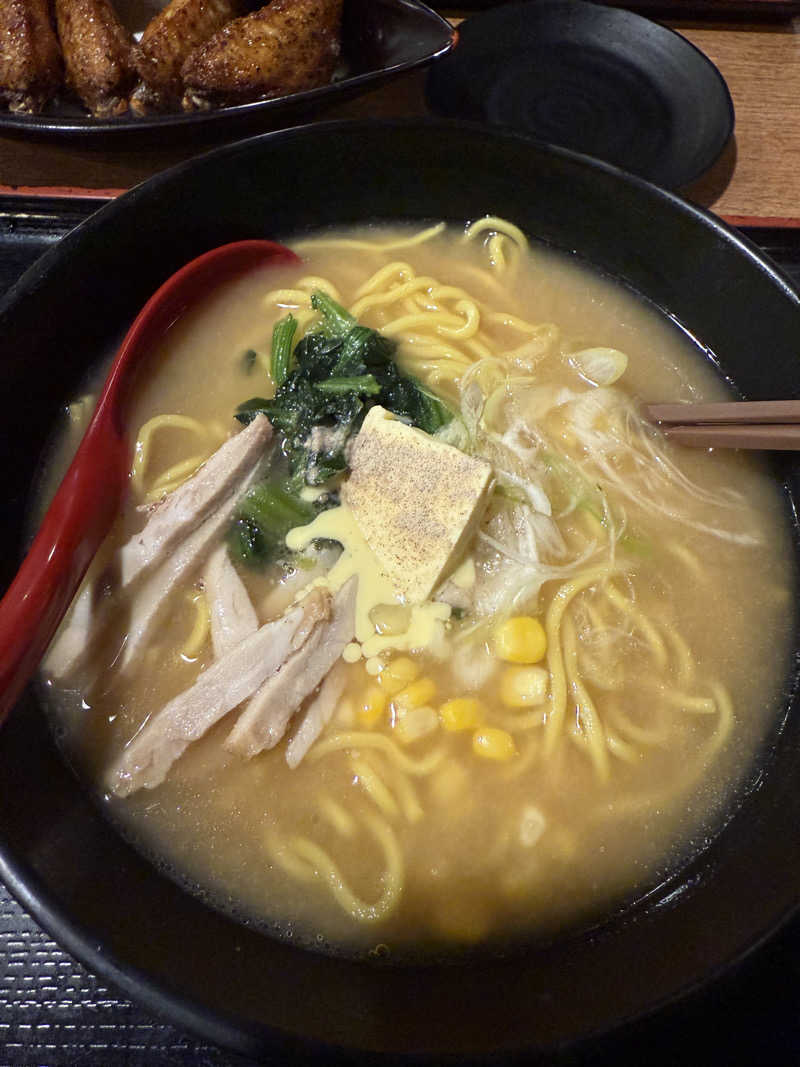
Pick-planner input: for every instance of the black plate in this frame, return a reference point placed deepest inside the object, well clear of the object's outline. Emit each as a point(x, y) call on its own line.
point(380, 39)
point(113, 910)
point(601, 81)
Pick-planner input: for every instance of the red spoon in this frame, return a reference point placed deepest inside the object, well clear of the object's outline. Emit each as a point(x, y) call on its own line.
point(89, 497)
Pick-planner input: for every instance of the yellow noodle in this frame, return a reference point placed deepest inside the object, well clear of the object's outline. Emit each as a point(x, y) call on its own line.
point(388, 297)
point(289, 298)
point(684, 701)
point(496, 255)
point(311, 282)
point(371, 246)
point(641, 735)
point(494, 224)
point(555, 660)
point(288, 861)
point(687, 557)
point(374, 785)
point(175, 475)
point(634, 805)
point(513, 322)
point(198, 637)
point(589, 724)
point(357, 739)
point(725, 723)
point(143, 446)
point(621, 749)
point(333, 812)
point(478, 348)
point(403, 788)
point(326, 871)
point(683, 654)
point(522, 720)
point(382, 277)
point(641, 622)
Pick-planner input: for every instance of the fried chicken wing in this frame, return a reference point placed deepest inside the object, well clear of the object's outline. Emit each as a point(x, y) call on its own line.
point(168, 39)
point(30, 59)
point(285, 47)
point(97, 54)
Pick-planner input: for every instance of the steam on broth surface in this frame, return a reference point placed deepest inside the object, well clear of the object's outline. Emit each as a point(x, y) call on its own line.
point(545, 731)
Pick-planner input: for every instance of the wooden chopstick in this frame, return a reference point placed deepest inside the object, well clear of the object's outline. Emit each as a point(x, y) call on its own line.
point(756, 424)
point(736, 411)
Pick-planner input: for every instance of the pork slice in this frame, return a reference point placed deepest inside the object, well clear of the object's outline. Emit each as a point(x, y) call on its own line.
point(181, 511)
point(318, 714)
point(73, 638)
point(233, 617)
point(156, 588)
point(264, 721)
point(147, 758)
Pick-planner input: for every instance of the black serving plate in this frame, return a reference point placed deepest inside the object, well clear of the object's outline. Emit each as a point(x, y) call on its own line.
point(228, 982)
point(380, 39)
point(606, 82)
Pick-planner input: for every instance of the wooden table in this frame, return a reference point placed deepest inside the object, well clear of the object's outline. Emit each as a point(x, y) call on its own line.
point(757, 179)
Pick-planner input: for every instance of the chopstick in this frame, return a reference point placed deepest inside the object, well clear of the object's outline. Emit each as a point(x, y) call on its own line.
point(756, 424)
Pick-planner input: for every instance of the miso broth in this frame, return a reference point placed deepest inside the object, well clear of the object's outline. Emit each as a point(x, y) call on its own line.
point(540, 787)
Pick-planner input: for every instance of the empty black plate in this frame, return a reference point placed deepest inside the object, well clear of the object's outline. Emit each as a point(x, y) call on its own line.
point(597, 80)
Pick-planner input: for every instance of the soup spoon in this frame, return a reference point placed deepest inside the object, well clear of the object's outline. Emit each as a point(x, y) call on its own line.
point(88, 499)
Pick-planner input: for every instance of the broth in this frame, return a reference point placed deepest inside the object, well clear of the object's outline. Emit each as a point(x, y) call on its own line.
point(670, 653)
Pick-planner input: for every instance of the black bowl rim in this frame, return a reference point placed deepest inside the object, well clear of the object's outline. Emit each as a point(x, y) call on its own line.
point(42, 902)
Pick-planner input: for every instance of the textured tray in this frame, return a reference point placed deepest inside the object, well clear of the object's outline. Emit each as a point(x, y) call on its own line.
point(54, 1013)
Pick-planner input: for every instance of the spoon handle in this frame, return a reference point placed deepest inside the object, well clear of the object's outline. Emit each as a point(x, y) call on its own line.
point(88, 499)
point(77, 521)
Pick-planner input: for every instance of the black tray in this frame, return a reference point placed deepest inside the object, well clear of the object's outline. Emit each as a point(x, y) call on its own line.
point(54, 1013)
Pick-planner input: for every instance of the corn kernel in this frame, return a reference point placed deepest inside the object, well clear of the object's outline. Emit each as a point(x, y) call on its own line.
point(398, 674)
point(524, 687)
point(372, 706)
point(492, 743)
point(520, 639)
point(422, 691)
point(413, 724)
point(461, 713)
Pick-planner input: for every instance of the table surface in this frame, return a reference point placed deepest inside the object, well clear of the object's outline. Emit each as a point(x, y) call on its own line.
point(52, 1011)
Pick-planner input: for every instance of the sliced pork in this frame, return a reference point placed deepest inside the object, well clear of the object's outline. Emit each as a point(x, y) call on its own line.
point(233, 617)
point(318, 714)
point(264, 721)
point(233, 678)
point(181, 511)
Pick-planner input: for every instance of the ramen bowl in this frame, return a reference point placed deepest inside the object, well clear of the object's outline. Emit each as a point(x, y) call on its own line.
point(225, 979)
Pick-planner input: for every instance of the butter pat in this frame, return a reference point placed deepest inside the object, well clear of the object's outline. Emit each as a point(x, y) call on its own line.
point(416, 500)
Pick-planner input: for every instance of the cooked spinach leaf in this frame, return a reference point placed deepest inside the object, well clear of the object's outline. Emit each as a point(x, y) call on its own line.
point(263, 518)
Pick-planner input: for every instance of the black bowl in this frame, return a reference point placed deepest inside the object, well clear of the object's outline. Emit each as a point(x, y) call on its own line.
point(110, 907)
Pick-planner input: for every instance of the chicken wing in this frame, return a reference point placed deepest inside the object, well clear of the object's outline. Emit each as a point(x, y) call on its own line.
point(30, 59)
point(168, 39)
point(285, 47)
point(97, 54)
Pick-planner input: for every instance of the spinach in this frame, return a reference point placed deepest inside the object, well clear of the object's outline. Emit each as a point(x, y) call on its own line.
point(263, 518)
